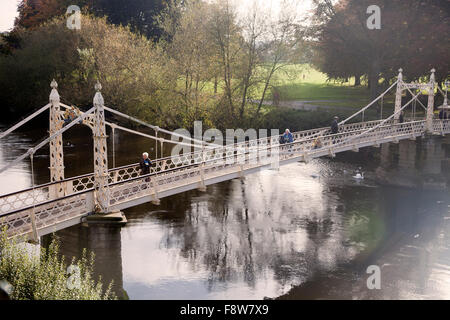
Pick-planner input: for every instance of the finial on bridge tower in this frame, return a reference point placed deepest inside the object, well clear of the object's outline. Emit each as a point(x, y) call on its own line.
point(54, 95)
point(98, 98)
point(433, 77)
point(54, 84)
point(98, 86)
point(400, 74)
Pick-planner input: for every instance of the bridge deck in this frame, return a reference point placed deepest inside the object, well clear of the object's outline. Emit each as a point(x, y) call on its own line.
point(59, 205)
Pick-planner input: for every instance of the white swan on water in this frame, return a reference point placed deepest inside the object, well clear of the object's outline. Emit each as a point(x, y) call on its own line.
point(359, 176)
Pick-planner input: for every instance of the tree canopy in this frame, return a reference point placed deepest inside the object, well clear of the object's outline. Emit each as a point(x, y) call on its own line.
point(413, 36)
point(138, 14)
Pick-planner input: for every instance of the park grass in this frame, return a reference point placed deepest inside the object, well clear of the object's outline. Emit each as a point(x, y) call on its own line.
point(304, 83)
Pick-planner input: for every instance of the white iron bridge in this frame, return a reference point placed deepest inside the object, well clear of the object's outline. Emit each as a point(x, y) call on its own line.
point(65, 202)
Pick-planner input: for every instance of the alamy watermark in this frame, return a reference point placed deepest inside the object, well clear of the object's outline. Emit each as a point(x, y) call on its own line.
point(374, 280)
point(74, 280)
point(74, 20)
point(237, 147)
point(374, 20)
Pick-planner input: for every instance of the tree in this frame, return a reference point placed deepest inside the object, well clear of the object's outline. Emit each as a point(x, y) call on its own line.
point(32, 13)
point(138, 14)
point(283, 45)
point(125, 63)
point(191, 56)
point(411, 36)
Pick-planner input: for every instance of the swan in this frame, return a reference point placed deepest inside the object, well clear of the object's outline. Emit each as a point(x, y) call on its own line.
point(359, 176)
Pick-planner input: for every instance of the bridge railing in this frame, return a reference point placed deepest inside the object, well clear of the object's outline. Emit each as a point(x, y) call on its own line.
point(153, 184)
point(57, 211)
point(47, 214)
point(45, 192)
point(441, 126)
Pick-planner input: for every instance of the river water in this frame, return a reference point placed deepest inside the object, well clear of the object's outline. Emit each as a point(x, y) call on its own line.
point(307, 231)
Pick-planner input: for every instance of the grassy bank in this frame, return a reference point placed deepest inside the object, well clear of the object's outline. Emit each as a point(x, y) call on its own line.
point(304, 83)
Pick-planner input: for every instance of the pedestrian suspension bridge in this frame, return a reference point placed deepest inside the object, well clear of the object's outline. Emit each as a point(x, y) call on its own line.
point(64, 202)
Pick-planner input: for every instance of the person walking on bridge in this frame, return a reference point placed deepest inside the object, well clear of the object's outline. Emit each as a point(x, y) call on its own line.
point(335, 125)
point(145, 164)
point(402, 117)
point(335, 128)
point(287, 137)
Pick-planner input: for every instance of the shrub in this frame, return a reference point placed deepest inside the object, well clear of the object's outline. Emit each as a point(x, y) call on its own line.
point(44, 276)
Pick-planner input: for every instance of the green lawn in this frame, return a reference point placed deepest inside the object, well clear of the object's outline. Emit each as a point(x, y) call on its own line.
point(301, 82)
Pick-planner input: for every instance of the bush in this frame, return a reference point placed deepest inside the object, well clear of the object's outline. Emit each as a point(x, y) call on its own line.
point(44, 276)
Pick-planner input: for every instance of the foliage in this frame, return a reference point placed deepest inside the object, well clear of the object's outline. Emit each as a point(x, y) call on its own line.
point(138, 14)
point(412, 36)
point(43, 276)
point(222, 61)
point(211, 63)
point(125, 63)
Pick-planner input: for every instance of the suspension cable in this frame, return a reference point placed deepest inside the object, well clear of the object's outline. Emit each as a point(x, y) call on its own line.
point(358, 112)
point(380, 124)
point(149, 136)
point(113, 128)
point(22, 122)
point(369, 105)
point(32, 169)
point(412, 94)
point(33, 216)
point(158, 128)
point(156, 144)
point(44, 142)
point(382, 103)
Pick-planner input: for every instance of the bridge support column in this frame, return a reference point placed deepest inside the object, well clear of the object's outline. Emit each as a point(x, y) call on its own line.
point(100, 154)
point(56, 145)
point(398, 96)
point(430, 107)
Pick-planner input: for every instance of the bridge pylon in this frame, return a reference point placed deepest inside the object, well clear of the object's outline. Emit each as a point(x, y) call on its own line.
point(101, 176)
point(398, 96)
point(56, 145)
point(428, 87)
point(430, 107)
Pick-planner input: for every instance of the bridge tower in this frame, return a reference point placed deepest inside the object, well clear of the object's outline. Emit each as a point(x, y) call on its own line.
point(429, 87)
point(100, 153)
point(56, 145)
point(398, 96)
point(430, 107)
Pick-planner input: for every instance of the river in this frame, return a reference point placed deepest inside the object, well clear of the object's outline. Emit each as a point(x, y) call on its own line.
point(307, 231)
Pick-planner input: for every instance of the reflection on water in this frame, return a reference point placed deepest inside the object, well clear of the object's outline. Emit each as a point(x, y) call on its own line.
point(305, 231)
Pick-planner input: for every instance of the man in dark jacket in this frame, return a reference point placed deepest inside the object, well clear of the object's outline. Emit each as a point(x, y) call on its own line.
point(402, 117)
point(335, 126)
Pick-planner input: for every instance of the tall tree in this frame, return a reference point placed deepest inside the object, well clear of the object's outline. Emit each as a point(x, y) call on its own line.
point(32, 13)
point(412, 36)
point(139, 14)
